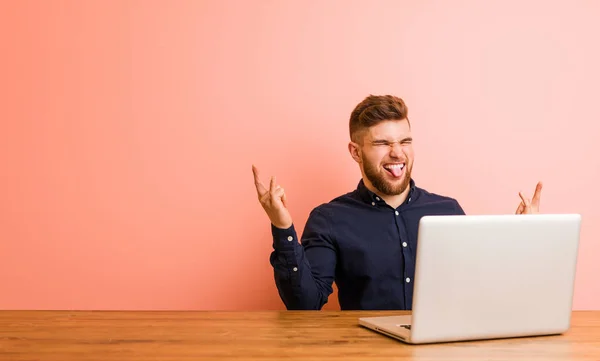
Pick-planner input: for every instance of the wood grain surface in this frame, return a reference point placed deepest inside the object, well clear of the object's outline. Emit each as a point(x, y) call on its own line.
point(273, 335)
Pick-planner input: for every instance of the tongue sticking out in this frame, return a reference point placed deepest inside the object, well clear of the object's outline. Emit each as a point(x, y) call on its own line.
point(396, 171)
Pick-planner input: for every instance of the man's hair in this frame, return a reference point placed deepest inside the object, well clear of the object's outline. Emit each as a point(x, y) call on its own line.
point(375, 109)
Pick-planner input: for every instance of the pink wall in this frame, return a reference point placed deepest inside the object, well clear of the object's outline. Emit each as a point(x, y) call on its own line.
point(129, 129)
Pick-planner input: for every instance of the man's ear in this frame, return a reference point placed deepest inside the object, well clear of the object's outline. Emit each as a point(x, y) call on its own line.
point(354, 152)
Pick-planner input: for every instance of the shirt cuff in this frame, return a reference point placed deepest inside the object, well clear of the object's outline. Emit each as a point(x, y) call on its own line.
point(284, 239)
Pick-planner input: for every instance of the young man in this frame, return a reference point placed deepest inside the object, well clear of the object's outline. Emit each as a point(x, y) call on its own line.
point(364, 240)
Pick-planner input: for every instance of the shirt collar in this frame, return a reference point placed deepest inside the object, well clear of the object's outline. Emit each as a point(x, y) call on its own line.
point(373, 199)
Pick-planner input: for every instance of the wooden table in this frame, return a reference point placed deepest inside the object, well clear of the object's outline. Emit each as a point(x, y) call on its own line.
point(291, 335)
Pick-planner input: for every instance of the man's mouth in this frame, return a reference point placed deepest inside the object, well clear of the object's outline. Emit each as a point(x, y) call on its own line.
point(395, 169)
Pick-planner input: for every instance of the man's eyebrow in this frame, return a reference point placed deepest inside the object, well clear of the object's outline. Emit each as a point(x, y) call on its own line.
point(382, 141)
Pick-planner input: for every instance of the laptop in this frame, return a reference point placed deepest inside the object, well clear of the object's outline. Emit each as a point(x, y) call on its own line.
point(489, 276)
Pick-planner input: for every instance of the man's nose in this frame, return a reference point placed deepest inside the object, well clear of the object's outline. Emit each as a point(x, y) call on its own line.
point(395, 150)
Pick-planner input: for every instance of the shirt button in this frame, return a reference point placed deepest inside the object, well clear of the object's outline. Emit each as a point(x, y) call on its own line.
point(409, 199)
point(377, 198)
point(296, 269)
point(290, 238)
point(404, 244)
point(407, 280)
point(397, 213)
point(373, 203)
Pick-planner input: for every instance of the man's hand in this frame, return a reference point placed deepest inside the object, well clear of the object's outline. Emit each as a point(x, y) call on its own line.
point(273, 200)
point(530, 206)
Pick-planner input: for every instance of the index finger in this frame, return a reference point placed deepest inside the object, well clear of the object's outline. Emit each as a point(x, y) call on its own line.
point(260, 188)
point(526, 202)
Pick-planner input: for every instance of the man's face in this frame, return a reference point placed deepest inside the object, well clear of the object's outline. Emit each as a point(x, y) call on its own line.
point(386, 156)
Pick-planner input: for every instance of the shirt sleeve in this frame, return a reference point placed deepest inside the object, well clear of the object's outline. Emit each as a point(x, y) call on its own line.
point(459, 210)
point(304, 271)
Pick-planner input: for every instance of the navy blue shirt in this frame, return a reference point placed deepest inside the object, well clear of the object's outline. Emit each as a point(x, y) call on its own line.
point(357, 240)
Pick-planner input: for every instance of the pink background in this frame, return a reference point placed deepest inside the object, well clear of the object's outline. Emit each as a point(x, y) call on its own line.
point(128, 130)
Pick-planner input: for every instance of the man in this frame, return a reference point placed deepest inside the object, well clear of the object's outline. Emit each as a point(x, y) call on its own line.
point(364, 240)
